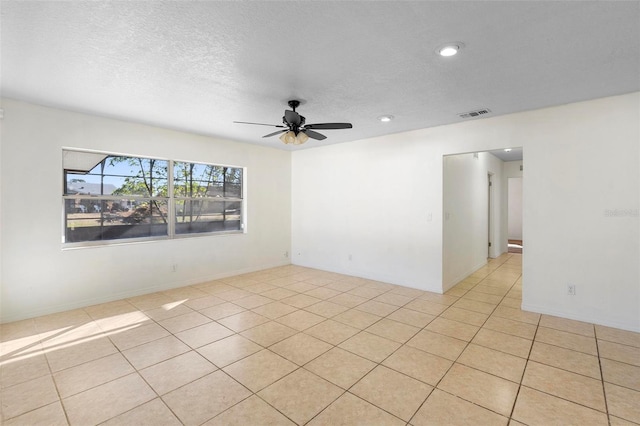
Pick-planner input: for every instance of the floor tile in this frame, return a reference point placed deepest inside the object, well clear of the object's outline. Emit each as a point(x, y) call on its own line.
point(301, 348)
point(137, 336)
point(205, 398)
point(251, 411)
point(393, 330)
point(370, 346)
point(376, 308)
point(326, 309)
point(564, 384)
point(490, 361)
point(538, 408)
point(442, 408)
point(204, 334)
point(204, 302)
point(19, 370)
point(426, 307)
point(279, 293)
point(175, 372)
point(623, 402)
point(358, 319)
point(621, 374)
point(268, 333)
point(515, 328)
point(259, 370)
point(154, 352)
point(393, 299)
point(450, 328)
point(26, 396)
point(618, 336)
point(571, 326)
point(123, 394)
point(168, 310)
point(91, 374)
point(222, 310)
point(503, 342)
point(411, 317)
point(481, 388)
point(243, 321)
point(49, 415)
point(229, 350)
point(340, 367)
point(567, 340)
point(154, 412)
point(253, 301)
point(465, 316)
point(300, 300)
point(516, 314)
point(348, 300)
point(618, 352)
point(300, 320)
point(438, 344)
point(474, 305)
point(418, 364)
point(69, 356)
point(350, 410)
point(566, 359)
point(478, 296)
point(443, 299)
point(322, 293)
point(332, 331)
point(394, 392)
point(274, 310)
point(184, 322)
point(301, 395)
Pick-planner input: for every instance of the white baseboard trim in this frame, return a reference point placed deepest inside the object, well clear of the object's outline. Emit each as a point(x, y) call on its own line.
point(592, 320)
point(127, 294)
point(448, 285)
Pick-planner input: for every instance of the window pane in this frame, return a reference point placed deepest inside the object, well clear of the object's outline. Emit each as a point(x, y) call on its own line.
point(205, 180)
point(195, 216)
point(98, 220)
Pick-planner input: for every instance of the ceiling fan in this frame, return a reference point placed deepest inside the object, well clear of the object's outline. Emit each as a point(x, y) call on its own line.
point(295, 131)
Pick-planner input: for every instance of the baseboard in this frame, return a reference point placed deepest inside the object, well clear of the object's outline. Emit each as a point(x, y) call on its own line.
point(449, 285)
point(360, 274)
point(600, 321)
point(127, 294)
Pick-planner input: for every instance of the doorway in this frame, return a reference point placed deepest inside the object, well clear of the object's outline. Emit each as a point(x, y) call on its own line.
point(514, 214)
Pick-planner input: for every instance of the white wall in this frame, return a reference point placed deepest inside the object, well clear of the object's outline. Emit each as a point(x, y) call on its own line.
point(40, 277)
point(514, 205)
point(373, 199)
point(466, 219)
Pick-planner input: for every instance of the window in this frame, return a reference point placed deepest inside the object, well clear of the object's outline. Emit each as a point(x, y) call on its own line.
point(111, 197)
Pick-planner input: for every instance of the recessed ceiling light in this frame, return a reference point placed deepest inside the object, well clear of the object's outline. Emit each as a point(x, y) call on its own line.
point(385, 118)
point(507, 150)
point(449, 49)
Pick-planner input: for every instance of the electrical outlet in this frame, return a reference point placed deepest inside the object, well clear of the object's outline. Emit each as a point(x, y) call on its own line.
point(286, 254)
point(174, 267)
point(571, 289)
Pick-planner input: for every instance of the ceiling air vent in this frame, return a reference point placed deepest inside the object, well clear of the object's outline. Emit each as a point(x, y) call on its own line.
point(476, 113)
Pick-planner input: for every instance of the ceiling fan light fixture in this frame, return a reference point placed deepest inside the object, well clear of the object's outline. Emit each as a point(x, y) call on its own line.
point(385, 118)
point(288, 137)
point(301, 138)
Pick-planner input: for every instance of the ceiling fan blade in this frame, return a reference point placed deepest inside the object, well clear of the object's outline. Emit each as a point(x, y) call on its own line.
point(314, 135)
point(329, 126)
point(259, 124)
point(292, 117)
point(275, 133)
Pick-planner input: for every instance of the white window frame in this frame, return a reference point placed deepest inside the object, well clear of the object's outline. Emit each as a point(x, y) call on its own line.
point(170, 200)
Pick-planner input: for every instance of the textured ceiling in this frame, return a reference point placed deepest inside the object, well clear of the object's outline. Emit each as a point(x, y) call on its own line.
point(199, 65)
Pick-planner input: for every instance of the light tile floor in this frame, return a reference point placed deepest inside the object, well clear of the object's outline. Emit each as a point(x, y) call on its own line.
point(293, 345)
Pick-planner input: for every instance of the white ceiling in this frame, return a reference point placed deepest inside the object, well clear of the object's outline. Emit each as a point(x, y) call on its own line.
point(199, 65)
